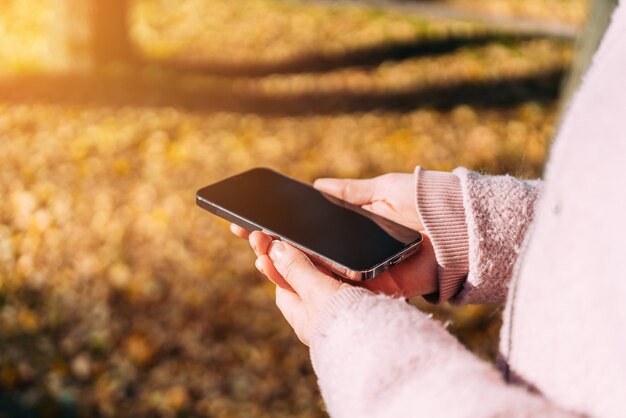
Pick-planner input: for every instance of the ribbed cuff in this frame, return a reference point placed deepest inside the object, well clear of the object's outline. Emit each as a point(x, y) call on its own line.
point(440, 207)
point(329, 313)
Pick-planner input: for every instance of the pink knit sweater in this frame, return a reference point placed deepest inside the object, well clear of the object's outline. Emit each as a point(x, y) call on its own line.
point(557, 260)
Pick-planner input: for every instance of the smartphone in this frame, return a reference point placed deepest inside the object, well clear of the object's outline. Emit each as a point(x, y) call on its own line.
point(352, 243)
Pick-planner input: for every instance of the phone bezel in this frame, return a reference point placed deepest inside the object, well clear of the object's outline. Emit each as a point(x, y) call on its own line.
point(343, 272)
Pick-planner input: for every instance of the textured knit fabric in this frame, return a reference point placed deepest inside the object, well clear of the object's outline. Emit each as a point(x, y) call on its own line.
point(498, 211)
point(406, 366)
point(564, 334)
point(439, 204)
point(475, 264)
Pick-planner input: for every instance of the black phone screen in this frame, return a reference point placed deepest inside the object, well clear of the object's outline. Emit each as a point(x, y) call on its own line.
point(344, 233)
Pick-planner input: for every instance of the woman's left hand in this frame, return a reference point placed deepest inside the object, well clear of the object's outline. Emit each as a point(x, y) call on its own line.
point(302, 289)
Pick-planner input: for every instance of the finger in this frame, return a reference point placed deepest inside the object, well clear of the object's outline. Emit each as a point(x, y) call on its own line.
point(357, 192)
point(259, 242)
point(384, 284)
point(299, 271)
point(323, 269)
point(384, 209)
point(417, 275)
point(292, 308)
point(239, 231)
point(266, 267)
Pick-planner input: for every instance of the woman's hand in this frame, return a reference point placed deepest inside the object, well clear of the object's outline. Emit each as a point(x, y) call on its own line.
point(302, 289)
point(391, 196)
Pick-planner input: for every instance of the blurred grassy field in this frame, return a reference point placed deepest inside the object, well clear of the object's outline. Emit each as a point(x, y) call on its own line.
point(118, 297)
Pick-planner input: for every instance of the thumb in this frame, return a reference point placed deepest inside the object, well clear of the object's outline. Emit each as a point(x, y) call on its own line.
point(299, 271)
point(357, 192)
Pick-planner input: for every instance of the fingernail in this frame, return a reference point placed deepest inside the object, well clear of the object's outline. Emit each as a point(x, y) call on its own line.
point(257, 264)
point(277, 249)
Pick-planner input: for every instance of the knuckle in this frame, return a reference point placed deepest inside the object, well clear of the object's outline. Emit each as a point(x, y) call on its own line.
point(304, 339)
point(289, 267)
point(348, 190)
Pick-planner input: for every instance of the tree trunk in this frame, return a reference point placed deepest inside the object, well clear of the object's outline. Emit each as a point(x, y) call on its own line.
point(597, 23)
point(89, 34)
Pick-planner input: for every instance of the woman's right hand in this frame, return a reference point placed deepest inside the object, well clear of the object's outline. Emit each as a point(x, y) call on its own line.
point(391, 196)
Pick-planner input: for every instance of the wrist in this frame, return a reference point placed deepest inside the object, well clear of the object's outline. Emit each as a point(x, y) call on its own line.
point(440, 208)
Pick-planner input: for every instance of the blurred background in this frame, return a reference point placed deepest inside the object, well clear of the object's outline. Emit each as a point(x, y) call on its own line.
point(118, 296)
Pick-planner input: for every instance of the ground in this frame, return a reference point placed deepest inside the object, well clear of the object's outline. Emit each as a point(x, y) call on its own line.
point(118, 296)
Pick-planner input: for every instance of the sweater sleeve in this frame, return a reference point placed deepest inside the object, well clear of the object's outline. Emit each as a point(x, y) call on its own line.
point(477, 225)
point(377, 356)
